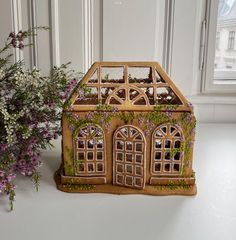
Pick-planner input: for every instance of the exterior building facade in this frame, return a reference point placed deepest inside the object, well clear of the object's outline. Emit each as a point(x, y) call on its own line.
point(225, 56)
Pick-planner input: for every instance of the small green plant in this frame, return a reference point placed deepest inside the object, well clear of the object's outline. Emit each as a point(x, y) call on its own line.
point(106, 77)
point(182, 185)
point(84, 187)
point(127, 117)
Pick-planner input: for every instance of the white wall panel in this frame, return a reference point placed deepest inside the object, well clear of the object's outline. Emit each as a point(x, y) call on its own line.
point(26, 24)
point(6, 23)
point(97, 30)
point(43, 39)
point(184, 40)
point(129, 30)
point(71, 33)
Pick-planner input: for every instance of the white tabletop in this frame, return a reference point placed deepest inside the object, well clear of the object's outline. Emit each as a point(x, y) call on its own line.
point(51, 214)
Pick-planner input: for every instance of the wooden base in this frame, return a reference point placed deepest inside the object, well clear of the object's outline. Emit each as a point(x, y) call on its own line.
point(158, 190)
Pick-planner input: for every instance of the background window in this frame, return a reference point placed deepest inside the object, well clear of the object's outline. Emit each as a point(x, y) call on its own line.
point(219, 73)
point(231, 39)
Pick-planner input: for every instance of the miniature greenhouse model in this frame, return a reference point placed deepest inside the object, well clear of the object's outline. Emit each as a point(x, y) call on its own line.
point(127, 129)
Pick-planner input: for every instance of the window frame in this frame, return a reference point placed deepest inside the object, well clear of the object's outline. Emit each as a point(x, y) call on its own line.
point(85, 150)
point(163, 150)
point(209, 82)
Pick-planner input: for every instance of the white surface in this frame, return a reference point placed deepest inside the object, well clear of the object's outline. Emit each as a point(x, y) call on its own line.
point(51, 214)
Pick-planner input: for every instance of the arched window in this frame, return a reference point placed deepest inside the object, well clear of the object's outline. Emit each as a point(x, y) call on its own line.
point(167, 154)
point(89, 146)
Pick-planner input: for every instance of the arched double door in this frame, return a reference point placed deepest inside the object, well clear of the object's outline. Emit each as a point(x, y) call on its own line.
point(129, 157)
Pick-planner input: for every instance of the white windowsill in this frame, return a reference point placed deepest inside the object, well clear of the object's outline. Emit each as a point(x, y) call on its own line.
point(212, 99)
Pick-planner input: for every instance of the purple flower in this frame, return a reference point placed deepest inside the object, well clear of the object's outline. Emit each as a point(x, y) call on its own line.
point(14, 43)
point(190, 105)
point(193, 131)
point(190, 143)
point(189, 117)
point(2, 173)
point(140, 119)
point(12, 35)
point(101, 121)
point(97, 131)
point(69, 114)
point(21, 45)
point(187, 163)
point(168, 113)
point(3, 147)
point(72, 82)
point(89, 116)
point(81, 94)
point(105, 114)
point(114, 109)
point(107, 126)
point(71, 127)
point(50, 104)
point(11, 177)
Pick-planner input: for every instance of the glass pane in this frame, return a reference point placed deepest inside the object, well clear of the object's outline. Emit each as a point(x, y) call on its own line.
point(225, 47)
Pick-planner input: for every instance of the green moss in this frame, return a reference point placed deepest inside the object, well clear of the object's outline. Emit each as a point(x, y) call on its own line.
point(182, 185)
point(70, 153)
point(127, 117)
point(172, 186)
point(67, 104)
point(84, 187)
point(187, 122)
point(165, 107)
point(68, 167)
point(106, 77)
point(193, 175)
point(68, 164)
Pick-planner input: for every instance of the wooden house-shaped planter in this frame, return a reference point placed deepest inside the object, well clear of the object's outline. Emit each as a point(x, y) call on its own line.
point(127, 129)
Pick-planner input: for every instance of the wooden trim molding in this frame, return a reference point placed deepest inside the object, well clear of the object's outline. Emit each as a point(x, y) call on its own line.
point(16, 14)
point(87, 24)
point(55, 33)
point(33, 24)
point(168, 35)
